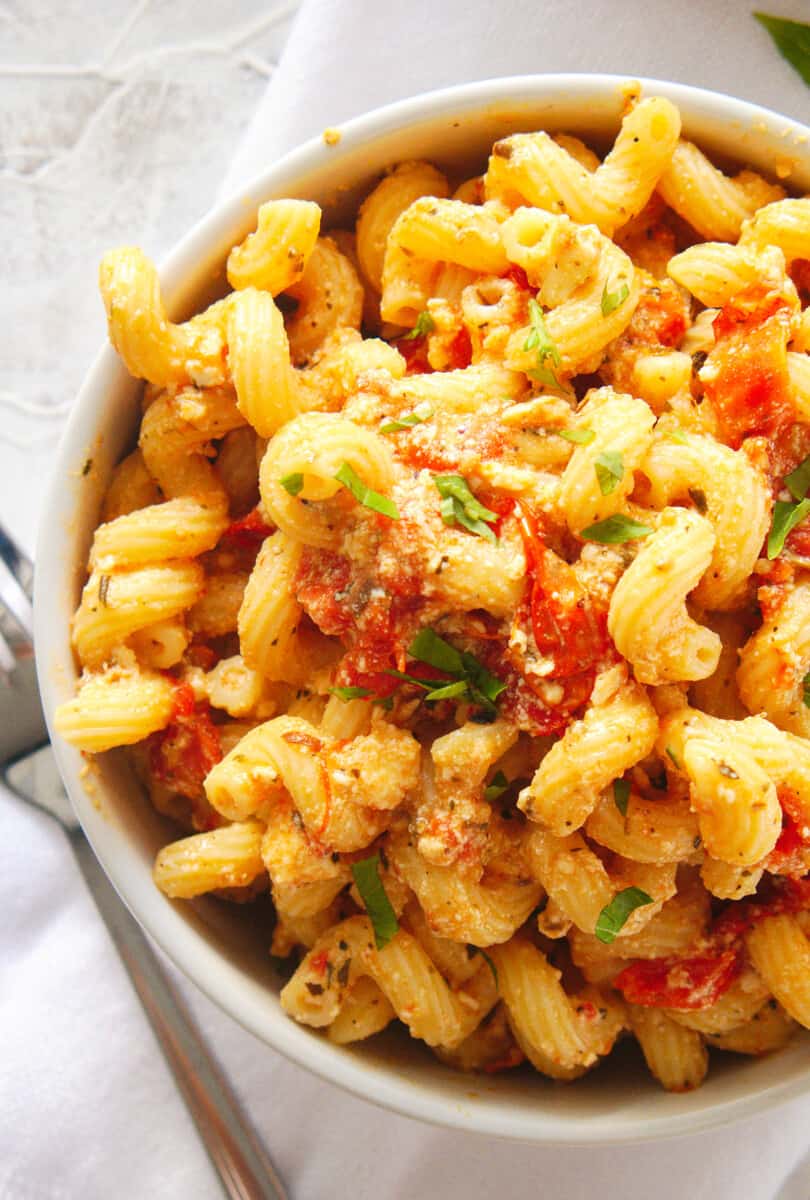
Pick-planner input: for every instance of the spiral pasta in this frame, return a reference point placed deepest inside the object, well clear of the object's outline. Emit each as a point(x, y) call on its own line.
point(456, 597)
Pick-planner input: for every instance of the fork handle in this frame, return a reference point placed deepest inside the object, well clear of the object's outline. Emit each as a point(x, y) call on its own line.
point(245, 1171)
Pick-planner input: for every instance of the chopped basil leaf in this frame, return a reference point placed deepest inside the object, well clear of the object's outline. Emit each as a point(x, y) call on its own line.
point(447, 691)
point(292, 483)
point(613, 916)
point(798, 481)
point(407, 421)
point(454, 513)
point(786, 516)
point(580, 437)
point(375, 898)
point(609, 471)
point(539, 339)
point(615, 529)
point(806, 689)
point(674, 757)
point(351, 693)
point(621, 795)
point(424, 325)
point(792, 40)
point(613, 300)
point(364, 495)
point(457, 486)
point(425, 684)
point(496, 787)
point(483, 687)
point(437, 689)
point(428, 647)
point(460, 507)
point(471, 950)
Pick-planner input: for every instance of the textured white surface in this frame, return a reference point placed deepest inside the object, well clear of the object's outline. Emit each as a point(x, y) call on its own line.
point(117, 123)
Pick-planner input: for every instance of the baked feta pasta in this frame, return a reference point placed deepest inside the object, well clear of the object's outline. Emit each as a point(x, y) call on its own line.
point(457, 591)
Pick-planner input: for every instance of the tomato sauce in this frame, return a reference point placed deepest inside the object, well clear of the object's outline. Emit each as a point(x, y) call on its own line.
point(459, 351)
point(415, 353)
point(683, 983)
point(563, 621)
point(791, 854)
point(249, 531)
point(661, 317)
point(698, 982)
point(747, 382)
point(519, 277)
point(182, 754)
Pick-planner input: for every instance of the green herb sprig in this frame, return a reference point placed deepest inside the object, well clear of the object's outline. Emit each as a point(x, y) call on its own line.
point(470, 678)
point(613, 916)
point(621, 795)
point(424, 325)
point(787, 514)
point(292, 483)
point(366, 874)
point(540, 339)
point(609, 470)
point(351, 693)
point(616, 529)
point(496, 787)
point(460, 507)
point(792, 40)
point(364, 495)
point(613, 300)
point(580, 437)
point(408, 420)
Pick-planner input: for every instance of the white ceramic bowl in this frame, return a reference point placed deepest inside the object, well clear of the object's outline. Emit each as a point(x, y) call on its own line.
point(218, 947)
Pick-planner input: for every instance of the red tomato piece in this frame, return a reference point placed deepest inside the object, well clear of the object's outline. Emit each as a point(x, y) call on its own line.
point(687, 984)
point(749, 386)
point(528, 707)
point(518, 277)
point(661, 317)
point(778, 896)
point(800, 274)
point(459, 351)
point(249, 531)
point(798, 540)
point(414, 351)
point(563, 622)
point(182, 754)
point(319, 961)
point(322, 589)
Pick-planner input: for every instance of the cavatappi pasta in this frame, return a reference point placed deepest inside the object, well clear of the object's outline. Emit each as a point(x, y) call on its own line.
point(457, 592)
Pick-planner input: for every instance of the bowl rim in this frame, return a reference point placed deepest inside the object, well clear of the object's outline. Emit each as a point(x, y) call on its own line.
point(198, 960)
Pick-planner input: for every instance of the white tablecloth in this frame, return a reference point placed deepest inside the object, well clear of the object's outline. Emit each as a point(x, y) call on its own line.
point(88, 1108)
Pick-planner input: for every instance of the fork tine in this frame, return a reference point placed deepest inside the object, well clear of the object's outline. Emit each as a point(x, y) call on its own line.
point(17, 561)
point(15, 583)
point(15, 600)
point(7, 659)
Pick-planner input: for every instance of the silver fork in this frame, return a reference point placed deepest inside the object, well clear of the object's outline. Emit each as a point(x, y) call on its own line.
point(28, 768)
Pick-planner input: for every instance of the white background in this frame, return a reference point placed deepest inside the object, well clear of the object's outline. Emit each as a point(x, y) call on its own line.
point(117, 123)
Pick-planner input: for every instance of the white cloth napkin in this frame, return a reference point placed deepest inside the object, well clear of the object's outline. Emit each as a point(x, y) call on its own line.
point(88, 1107)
